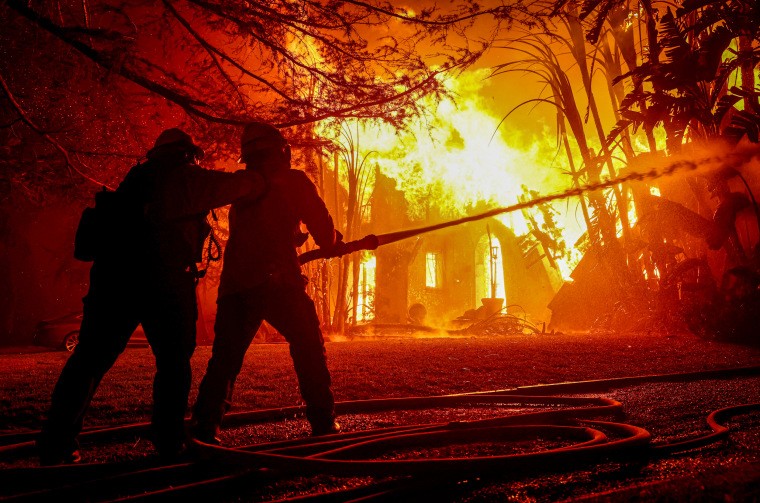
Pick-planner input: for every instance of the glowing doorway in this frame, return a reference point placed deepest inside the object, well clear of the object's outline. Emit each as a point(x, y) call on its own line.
point(489, 270)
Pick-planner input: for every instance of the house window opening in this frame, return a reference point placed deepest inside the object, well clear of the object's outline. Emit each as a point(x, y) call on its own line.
point(366, 300)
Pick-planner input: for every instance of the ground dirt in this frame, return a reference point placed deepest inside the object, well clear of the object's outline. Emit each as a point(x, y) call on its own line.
point(401, 367)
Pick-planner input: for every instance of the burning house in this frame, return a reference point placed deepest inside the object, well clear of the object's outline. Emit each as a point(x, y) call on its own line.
point(689, 236)
point(453, 272)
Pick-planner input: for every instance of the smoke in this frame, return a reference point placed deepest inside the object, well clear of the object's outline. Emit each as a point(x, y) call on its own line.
point(711, 158)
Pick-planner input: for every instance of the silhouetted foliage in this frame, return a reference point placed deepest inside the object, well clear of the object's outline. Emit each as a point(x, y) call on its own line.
point(93, 82)
point(688, 89)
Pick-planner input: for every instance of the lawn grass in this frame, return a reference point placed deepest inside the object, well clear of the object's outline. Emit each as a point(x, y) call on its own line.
point(398, 367)
point(363, 369)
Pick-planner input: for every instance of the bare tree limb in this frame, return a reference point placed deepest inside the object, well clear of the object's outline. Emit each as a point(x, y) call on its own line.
point(215, 9)
point(346, 112)
point(211, 49)
point(189, 104)
point(34, 127)
point(211, 54)
point(350, 79)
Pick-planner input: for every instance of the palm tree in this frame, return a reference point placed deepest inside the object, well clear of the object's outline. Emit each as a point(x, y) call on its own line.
point(742, 19)
point(576, 44)
point(688, 87)
point(359, 179)
point(597, 12)
point(540, 60)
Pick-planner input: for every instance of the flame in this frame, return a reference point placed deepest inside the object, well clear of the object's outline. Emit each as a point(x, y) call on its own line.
point(457, 160)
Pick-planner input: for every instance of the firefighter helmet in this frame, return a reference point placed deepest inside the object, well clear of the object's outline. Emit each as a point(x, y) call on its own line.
point(260, 137)
point(174, 139)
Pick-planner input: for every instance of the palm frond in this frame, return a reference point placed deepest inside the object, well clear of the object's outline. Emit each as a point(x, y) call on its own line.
point(592, 35)
point(725, 70)
point(710, 53)
point(640, 72)
point(725, 103)
point(621, 126)
point(633, 98)
point(673, 41)
point(743, 123)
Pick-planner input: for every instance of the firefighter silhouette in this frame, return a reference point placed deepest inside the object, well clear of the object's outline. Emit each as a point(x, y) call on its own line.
point(261, 280)
point(144, 239)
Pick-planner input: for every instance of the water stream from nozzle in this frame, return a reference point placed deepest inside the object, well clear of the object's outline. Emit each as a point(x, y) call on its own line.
point(370, 242)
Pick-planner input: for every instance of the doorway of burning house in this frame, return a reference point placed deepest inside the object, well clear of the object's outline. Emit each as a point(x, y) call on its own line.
point(489, 269)
point(525, 280)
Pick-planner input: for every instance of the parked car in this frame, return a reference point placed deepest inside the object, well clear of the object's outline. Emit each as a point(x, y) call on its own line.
point(63, 333)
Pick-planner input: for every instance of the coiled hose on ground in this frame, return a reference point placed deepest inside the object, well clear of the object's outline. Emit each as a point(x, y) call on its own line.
point(585, 439)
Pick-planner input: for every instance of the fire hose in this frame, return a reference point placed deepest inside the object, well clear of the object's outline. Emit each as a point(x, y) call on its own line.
point(585, 439)
point(371, 241)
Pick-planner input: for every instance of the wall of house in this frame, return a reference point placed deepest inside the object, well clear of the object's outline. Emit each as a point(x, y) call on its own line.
point(456, 289)
point(391, 273)
point(529, 282)
point(392, 283)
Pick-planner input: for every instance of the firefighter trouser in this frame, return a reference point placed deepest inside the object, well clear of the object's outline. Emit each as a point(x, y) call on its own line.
point(113, 308)
point(288, 309)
